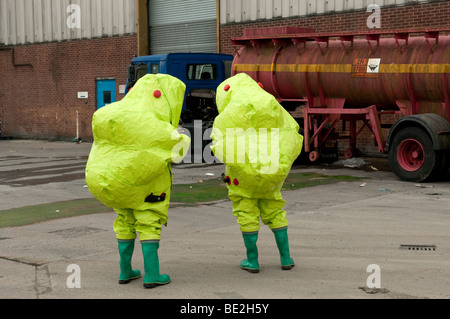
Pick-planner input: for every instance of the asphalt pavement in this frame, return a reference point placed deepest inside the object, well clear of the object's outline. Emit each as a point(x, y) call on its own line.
point(376, 238)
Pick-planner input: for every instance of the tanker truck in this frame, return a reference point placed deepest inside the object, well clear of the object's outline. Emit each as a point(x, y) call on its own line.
point(359, 79)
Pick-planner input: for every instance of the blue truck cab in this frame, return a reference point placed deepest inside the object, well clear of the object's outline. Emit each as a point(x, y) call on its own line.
point(201, 72)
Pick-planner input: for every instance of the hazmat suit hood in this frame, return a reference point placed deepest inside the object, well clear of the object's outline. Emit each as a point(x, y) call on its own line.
point(135, 140)
point(255, 137)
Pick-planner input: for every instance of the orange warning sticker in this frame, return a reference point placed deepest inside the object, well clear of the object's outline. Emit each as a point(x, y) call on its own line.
point(366, 68)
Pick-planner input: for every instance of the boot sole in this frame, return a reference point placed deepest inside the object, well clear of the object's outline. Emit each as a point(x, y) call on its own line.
point(287, 267)
point(127, 281)
point(253, 271)
point(154, 285)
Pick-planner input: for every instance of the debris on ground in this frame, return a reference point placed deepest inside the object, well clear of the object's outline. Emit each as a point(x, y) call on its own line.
point(351, 162)
point(374, 290)
point(423, 186)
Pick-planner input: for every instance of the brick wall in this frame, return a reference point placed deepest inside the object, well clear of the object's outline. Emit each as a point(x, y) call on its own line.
point(392, 18)
point(38, 95)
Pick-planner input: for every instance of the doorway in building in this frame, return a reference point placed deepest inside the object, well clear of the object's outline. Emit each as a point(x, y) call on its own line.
point(106, 92)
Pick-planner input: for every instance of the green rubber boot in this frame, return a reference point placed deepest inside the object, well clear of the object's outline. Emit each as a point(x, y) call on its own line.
point(251, 263)
point(127, 274)
point(152, 277)
point(282, 240)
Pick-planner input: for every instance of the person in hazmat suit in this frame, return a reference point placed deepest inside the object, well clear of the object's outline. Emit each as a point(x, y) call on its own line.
point(258, 140)
point(129, 167)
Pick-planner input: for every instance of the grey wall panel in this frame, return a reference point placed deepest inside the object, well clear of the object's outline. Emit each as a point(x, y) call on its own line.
point(36, 21)
point(3, 23)
point(235, 11)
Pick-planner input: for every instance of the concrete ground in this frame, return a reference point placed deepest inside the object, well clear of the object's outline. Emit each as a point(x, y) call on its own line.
point(337, 234)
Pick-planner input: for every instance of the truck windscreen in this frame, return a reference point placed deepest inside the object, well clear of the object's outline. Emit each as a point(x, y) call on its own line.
point(135, 72)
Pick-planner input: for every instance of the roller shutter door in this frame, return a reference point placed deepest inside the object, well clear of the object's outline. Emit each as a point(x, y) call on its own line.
point(182, 26)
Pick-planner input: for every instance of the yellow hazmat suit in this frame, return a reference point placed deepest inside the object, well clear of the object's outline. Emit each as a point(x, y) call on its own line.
point(258, 140)
point(129, 167)
point(134, 144)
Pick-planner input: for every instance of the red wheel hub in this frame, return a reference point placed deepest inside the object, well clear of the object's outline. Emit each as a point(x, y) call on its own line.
point(348, 153)
point(410, 155)
point(314, 156)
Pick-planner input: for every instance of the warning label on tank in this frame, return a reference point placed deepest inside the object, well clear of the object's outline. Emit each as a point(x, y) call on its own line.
point(366, 68)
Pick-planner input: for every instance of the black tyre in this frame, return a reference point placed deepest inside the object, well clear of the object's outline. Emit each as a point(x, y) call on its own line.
point(412, 156)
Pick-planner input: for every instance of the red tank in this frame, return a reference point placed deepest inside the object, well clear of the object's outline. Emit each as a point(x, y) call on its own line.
point(386, 69)
point(352, 77)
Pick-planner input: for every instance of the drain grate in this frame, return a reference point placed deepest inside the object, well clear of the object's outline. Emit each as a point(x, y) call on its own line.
point(418, 247)
point(77, 232)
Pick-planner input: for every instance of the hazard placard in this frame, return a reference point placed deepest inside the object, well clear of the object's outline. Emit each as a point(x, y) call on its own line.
point(366, 68)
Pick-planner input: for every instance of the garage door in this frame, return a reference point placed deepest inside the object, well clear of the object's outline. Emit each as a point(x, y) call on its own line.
point(182, 26)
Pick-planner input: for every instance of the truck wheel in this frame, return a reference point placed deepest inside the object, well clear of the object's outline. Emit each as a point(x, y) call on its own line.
point(412, 156)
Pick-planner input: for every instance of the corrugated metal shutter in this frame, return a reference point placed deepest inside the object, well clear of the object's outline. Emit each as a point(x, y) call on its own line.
point(182, 26)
